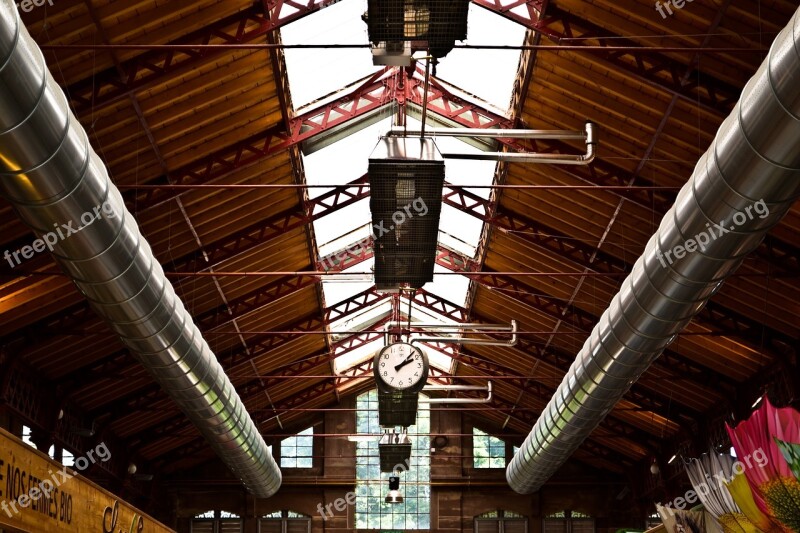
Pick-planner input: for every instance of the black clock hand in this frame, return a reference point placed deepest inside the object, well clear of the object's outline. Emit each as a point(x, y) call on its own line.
point(404, 363)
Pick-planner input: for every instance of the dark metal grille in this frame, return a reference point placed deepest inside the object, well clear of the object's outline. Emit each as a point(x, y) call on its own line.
point(439, 23)
point(392, 455)
point(406, 202)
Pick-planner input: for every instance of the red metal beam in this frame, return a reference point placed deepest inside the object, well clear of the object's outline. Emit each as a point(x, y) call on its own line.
point(73, 318)
point(276, 226)
point(151, 68)
point(525, 12)
point(363, 370)
point(235, 361)
point(549, 355)
point(252, 391)
point(653, 68)
point(282, 12)
point(713, 315)
point(372, 95)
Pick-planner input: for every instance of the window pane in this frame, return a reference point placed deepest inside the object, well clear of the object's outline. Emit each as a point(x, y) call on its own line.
point(371, 511)
point(487, 451)
point(297, 451)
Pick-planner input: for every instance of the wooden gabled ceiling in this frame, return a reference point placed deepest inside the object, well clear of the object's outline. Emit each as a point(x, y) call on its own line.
point(224, 116)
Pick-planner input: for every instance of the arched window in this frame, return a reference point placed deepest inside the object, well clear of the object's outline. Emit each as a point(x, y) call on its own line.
point(568, 522)
point(372, 486)
point(297, 451)
point(501, 522)
point(284, 522)
point(487, 451)
point(216, 521)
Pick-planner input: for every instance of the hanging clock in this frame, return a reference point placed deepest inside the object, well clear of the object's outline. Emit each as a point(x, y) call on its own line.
point(400, 367)
point(401, 371)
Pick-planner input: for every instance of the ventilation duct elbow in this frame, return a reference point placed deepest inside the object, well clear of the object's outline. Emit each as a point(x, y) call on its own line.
point(55, 181)
point(741, 187)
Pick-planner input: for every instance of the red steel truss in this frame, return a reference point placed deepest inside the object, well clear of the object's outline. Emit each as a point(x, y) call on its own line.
point(714, 316)
point(526, 12)
point(653, 68)
point(372, 95)
point(151, 68)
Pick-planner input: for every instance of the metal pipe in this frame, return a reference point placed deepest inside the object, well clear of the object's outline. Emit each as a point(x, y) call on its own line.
point(495, 133)
point(495, 186)
point(367, 276)
point(269, 46)
point(466, 325)
point(425, 95)
point(55, 181)
point(752, 164)
point(468, 340)
point(487, 388)
point(529, 157)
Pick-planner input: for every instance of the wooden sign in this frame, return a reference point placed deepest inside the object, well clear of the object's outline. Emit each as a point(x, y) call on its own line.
point(40, 495)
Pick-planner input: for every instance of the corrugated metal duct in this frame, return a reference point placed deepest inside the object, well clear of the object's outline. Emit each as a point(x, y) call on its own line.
point(742, 186)
point(57, 184)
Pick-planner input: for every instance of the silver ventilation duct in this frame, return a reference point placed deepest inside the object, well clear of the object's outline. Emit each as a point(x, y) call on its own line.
point(745, 182)
point(60, 188)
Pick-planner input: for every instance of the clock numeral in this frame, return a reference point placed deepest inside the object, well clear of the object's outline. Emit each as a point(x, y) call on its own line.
point(416, 374)
point(383, 364)
point(419, 365)
point(391, 380)
point(401, 383)
point(385, 373)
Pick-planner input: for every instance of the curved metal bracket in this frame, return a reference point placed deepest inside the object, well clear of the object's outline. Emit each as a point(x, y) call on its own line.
point(487, 388)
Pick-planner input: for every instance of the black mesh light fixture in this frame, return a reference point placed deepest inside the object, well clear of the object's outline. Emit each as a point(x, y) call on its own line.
point(406, 179)
point(400, 27)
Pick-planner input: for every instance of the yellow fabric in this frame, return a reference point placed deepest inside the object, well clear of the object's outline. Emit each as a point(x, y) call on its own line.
point(742, 495)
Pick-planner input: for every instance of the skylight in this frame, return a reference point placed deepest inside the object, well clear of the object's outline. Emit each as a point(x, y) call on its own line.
point(487, 74)
point(316, 72)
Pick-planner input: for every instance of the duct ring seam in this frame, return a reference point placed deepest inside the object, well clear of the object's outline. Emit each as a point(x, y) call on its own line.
point(50, 201)
point(771, 83)
point(740, 126)
point(172, 361)
point(155, 309)
point(39, 98)
point(137, 249)
point(14, 43)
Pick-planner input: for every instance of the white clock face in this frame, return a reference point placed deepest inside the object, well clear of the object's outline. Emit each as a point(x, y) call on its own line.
point(401, 366)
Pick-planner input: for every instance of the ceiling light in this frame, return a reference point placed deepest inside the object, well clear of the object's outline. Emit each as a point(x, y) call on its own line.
point(671, 459)
point(758, 401)
point(394, 495)
point(654, 469)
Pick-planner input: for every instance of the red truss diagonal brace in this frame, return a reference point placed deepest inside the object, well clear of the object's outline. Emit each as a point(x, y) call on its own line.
point(282, 12)
point(653, 68)
point(260, 345)
point(264, 231)
point(372, 95)
point(525, 12)
point(152, 68)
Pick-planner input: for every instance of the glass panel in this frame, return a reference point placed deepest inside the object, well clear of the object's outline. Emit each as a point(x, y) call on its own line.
point(487, 451)
point(371, 511)
point(314, 73)
point(497, 68)
point(297, 451)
